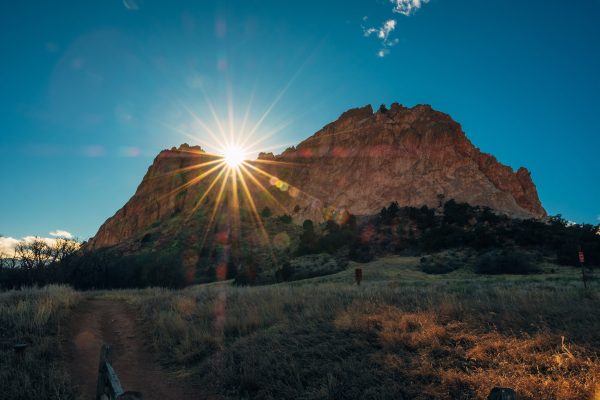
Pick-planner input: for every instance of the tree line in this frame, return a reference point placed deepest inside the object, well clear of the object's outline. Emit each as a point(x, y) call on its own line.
point(35, 261)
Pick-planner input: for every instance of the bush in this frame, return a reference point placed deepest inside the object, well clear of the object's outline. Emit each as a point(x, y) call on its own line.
point(266, 212)
point(509, 261)
point(285, 219)
point(308, 239)
point(457, 213)
point(310, 266)
point(361, 253)
point(430, 265)
point(246, 276)
point(107, 269)
point(448, 261)
point(285, 273)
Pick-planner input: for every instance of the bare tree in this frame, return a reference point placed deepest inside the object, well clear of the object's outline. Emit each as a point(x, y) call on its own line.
point(64, 248)
point(32, 254)
point(6, 261)
point(38, 253)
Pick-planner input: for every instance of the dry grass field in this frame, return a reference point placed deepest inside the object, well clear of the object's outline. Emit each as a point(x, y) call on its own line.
point(34, 317)
point(402, 334)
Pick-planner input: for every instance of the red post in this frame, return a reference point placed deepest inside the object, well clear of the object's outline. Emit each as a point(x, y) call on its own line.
point(358, 275)
point(582, 261)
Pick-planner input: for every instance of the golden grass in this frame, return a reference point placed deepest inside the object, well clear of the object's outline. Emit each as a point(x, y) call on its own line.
point(441, 338)
point(33, 317)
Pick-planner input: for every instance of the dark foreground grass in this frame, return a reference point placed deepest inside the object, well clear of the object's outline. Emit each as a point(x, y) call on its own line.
point(33, 317)
point(335, 341)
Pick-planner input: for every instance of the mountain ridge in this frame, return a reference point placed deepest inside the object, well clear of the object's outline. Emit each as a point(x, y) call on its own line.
point(356, 164)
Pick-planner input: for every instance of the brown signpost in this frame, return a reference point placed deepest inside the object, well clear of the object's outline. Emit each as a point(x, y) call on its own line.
point(582, 261)
point(358, 275)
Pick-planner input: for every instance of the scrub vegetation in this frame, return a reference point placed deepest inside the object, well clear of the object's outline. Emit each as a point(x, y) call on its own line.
point(404, 333)
point(454, 301)
point(34, 317)
point(174, 255)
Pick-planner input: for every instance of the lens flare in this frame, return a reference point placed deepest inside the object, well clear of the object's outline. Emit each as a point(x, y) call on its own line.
point(234, 188)
point(233, 156)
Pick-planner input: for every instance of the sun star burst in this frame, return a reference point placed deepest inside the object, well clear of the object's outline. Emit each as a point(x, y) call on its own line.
point(234, 189)
point(233, 156)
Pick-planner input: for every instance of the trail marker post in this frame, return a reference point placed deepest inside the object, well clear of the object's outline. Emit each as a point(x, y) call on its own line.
point(358, 275)
point(582, 263)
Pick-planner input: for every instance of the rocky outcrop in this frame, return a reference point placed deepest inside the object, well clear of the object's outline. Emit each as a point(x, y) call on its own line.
point(169, 187)
point(359, 163)
point(415, 156)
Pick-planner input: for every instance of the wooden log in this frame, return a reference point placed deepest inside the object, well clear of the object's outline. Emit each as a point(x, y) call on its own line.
point(20, 347)
point(129, 395)
point(114, 386)
point(108, 386)
point(104, 358)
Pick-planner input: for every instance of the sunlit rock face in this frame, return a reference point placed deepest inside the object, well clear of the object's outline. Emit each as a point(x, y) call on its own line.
point(414, 156)
point(359, 163)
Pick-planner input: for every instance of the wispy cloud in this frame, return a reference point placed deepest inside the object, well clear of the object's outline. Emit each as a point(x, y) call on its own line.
point(132, 5)
point(383, 34)
point(407, 7)
point(404, 7)
point(62, 234)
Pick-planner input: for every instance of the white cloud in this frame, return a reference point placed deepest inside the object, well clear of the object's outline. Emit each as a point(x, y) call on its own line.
point(62, 234)
point(407, 7)
point(404, 7)
point(383, 33)
point(387, 27)
point(7, 246)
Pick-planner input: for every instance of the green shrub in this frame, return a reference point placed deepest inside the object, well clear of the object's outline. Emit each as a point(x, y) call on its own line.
point(285, 273)
point(285, 219)
point(507, 261)
point(361, 252)
point(310, 266)
point(266, 212)
point(433, 266)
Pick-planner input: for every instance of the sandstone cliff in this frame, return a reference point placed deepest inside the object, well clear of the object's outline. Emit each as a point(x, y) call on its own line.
point(365, 160)
point(359, 163)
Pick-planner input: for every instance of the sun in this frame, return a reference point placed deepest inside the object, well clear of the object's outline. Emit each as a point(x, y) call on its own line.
point(233, 156)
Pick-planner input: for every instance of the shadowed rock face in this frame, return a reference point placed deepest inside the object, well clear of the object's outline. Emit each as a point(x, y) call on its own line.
point(159, 196)
point(359, 163)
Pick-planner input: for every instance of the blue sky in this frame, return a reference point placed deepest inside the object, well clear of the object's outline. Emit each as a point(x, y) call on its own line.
point(91, 90)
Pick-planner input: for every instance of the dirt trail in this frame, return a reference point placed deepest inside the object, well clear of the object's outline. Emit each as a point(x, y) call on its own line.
point(114, 322)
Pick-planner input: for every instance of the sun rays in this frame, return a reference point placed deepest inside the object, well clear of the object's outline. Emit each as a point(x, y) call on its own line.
point(229, 186)
point(233, 156)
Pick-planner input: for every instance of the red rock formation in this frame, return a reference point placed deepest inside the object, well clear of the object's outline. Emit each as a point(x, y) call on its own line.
point(359, 163)
point(365, 160)
point(158, 197)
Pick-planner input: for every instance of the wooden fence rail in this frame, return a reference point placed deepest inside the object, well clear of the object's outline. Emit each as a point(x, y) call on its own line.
point(109, 387)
